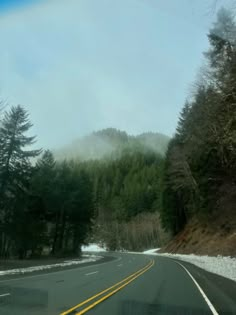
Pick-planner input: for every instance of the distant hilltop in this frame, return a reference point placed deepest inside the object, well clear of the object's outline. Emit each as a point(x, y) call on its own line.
point(112, 142)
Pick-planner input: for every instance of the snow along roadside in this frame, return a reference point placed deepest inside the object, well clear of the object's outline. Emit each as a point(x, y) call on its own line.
point(66, 263)
point(222, 265)
point(93, 247)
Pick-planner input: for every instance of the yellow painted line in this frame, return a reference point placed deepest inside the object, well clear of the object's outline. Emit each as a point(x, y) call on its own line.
point(106, 290)
point(114, 291)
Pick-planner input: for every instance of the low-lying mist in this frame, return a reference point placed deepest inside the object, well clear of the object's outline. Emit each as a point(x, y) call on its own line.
point(110, 141)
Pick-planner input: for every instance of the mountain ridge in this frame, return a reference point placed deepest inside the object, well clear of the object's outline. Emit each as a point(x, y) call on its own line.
point(102, 143)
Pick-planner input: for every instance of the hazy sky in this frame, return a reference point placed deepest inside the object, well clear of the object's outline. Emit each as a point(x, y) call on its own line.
point(83, 65)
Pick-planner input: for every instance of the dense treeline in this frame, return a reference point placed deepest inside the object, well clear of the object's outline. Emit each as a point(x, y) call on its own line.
point(47, 205)
point(51, 205)
point(201, 158)
point(127, 189)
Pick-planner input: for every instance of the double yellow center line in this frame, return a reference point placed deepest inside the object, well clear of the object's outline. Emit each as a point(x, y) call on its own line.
point(105, 294)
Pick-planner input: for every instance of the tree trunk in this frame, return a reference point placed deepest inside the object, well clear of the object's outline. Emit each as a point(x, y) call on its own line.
point(76, 242)
point(55, 237)
point(62, 230)
point(3, 244)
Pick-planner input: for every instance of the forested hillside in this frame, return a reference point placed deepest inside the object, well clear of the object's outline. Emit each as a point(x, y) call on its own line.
point(111, 142)
point(57, 205)
point(127, 194)
point(200, 166)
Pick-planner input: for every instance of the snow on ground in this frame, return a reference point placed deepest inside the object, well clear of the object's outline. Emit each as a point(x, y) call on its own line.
point(221, 265)
point(84, 259)
point(151, 251)
point(93, 248)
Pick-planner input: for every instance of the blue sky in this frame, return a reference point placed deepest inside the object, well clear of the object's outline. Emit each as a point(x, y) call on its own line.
point(9, 4)
point(83, 65)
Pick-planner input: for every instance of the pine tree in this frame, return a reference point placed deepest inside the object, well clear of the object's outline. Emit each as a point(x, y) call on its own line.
point(202, 155)
point(222, 59)
point(14, 159)
point(15, 168)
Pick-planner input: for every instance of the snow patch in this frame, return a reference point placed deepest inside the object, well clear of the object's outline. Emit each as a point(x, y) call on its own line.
point(83, 260)
point(222, 265)
point(93, 248)
point(151, 251)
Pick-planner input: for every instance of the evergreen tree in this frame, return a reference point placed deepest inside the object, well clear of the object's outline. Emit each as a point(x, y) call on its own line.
point(15, 167)
point(202, 155)
point(14, 160)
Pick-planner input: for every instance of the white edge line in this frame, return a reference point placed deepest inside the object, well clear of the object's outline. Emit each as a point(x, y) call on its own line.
point(6, 294)
point(210, 305)
point(91, 273)
point(59, 271)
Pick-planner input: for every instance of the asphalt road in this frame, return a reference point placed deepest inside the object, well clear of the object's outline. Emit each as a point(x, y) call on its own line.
point(129, 284)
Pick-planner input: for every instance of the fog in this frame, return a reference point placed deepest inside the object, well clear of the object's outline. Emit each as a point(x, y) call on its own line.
point(111, 142)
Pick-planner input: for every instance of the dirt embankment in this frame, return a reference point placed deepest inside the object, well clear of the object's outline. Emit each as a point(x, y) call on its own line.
point(214, 235)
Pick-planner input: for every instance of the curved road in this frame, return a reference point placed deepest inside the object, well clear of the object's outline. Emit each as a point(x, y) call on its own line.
point(128, 284)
